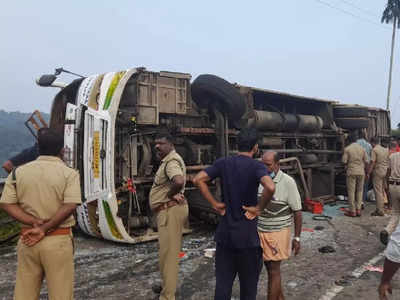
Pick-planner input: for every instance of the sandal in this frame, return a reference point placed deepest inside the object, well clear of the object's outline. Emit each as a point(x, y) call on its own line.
point(350, 214)
point(377, 214)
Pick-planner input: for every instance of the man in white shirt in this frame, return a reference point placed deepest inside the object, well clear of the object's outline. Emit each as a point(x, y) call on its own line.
point(275, 222)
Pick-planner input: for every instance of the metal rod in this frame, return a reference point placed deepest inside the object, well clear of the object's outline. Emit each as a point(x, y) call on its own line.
point(305, 151)
point(301, 173)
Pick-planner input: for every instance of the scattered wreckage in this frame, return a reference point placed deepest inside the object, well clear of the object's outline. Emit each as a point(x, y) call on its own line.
point(109, 122)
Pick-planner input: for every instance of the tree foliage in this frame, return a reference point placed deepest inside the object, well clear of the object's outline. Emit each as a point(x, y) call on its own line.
point(391, 11)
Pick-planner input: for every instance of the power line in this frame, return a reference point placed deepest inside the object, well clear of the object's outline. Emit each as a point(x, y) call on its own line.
point(351, 14)
point(366, 11)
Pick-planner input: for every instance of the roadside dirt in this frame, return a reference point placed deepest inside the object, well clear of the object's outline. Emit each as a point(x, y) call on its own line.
point(106, 270)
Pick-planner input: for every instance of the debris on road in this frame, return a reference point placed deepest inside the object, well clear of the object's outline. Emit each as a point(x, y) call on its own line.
point(210, 252)
point(322, 218)
point(343, 282)
point(374, 269)
point(326, 249)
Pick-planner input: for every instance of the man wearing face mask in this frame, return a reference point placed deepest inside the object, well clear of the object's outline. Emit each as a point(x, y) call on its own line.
point(170, 207)
point(275, 221)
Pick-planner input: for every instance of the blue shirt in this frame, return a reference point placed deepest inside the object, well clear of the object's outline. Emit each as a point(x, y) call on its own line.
point(240, 176)
point(367, 147)
point(25, 156)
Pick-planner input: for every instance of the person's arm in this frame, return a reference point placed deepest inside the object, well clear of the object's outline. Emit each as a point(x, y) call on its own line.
point(200, 180)
point(63, 213)
point(71, 198)
point(34, 235)
point(372, 164)
point(268, 192)
point(9, 203)
point(386, 182)
point(16, 212)
point(177, 184)
point(297, 231)
point(8, 166)
point(25, 155)
point(345, 157)
point(174, 172)
point(389, 269)
point(266, 196)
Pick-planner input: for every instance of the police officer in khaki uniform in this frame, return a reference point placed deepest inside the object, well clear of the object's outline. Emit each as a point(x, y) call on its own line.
point(355, 158)
point(393, 175)
point(42, 195)
point(378, 168)
point(171, 209)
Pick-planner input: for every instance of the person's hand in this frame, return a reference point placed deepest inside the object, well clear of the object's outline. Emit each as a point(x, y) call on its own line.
point(219, 207)
point(383, 290)
point(36, 222)
point(295, 247)
point(178, 198)
point(385, 185)
point(32, 236)
point(251, 212)
point(8, 166)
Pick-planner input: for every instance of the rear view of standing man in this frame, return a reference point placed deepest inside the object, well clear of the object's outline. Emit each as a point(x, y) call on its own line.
point(42, 196)
point(378, 168)
point(362, 141)
point(171, 209)
point(355, 158)
point(238, 249)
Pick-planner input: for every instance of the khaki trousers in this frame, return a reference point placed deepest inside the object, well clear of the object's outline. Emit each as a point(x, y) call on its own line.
point(355, 188)
point(394, 191)
point(377, 182)
point(170, 223)
point(52, 258)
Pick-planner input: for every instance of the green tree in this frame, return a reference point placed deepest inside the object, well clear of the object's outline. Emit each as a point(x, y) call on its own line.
point(391, 13)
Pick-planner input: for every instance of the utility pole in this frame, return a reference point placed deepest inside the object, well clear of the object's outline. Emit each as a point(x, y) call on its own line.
point(391, 63)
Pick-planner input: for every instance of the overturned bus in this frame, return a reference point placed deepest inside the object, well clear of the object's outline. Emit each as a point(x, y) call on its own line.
point(109, 122)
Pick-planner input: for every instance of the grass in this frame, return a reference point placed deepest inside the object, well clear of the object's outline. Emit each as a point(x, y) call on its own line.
point(8, 230)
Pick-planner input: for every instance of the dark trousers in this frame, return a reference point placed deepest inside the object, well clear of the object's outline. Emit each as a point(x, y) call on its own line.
point(246, 263)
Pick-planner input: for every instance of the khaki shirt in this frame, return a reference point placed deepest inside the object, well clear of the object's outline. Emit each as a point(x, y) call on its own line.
point(395, 166)
point(355, 157)
point(380, 156)
point(171, 165)
point(42, 187)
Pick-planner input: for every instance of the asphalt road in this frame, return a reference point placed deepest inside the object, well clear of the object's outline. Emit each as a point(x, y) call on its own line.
point(107, 270)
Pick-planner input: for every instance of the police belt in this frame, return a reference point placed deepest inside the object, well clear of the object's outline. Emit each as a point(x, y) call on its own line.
point(57, 231)
point(394, 182)
point(168, 204)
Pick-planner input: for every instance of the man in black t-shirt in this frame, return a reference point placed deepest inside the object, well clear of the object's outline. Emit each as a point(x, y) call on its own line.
point(25, 156)
point(238, 246)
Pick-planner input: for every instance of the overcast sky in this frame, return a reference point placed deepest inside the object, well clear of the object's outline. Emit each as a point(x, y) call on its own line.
point(296, 46)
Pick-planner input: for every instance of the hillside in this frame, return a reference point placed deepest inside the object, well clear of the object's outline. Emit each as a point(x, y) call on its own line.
point(14, 134)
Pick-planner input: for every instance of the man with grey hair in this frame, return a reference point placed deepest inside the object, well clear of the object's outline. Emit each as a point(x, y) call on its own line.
point(275, 222)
